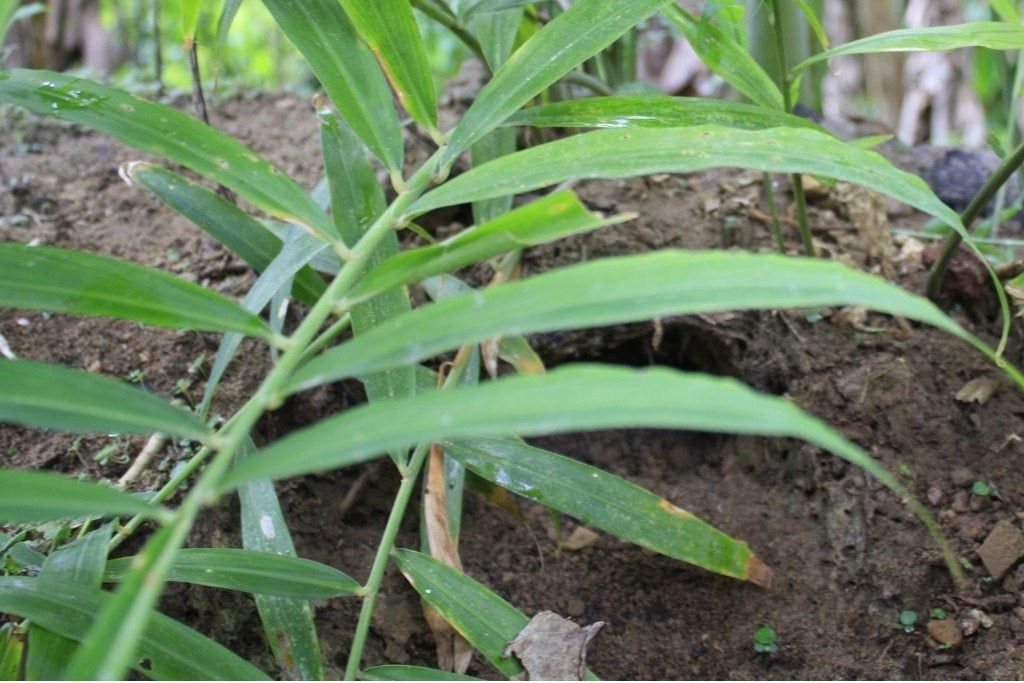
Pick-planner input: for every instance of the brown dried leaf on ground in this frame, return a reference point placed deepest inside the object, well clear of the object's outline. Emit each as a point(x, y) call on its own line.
point(553, 648)
point(979, 390)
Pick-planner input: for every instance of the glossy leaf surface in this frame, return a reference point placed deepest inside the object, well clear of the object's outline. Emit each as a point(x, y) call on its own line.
point(55, 397)
point(251, 572)
point(165, 132)
point(65, 281)
point(607, 502)
point(174, 651)
point(33, 496)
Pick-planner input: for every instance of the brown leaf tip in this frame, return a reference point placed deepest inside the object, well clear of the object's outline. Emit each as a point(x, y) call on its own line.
point(758, 572)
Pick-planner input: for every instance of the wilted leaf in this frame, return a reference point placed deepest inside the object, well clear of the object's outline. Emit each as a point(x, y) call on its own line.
point(552, 648)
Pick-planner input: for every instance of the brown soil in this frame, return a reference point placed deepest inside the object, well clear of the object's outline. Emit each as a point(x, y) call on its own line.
point(847, 555)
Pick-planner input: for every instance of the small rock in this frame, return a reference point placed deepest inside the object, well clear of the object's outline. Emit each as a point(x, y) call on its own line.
point(580, 538)
point(962, 477)
point(961, 501)
point(969, 626)
point(935, 495)
point(575, 607)
point(982, 618)
point(945, 632)
point(1001, 550)
point(1014, 582)
point(95, 367)
point(971, 527)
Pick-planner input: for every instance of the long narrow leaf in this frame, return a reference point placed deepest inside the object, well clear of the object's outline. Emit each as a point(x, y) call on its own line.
point(567, 41)
point(619, 290)
point(173, 651)
point(166, 132)
point(79, 562)
point(727, 58)
point(655, 112)
point(287, 622)
point(390, 29)
point(242, 234)
point(252, 572)
point(995, 35)
point(55, 397)
point(545, 220)
point(347, 69)
point(60, 280)
point(642, 151)
point(606, 502)
point(31, 496)
point(404, 672)
point(483, 618)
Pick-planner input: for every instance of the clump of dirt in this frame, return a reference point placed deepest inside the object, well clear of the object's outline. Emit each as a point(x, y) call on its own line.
point(848, 556)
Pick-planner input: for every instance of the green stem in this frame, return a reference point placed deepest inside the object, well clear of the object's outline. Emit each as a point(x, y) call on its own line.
point(380, 560)
point(970, 214)
point(452, 23)
point(787, 98)
point(585, 80)
point(1011, 135)
point(327, 336)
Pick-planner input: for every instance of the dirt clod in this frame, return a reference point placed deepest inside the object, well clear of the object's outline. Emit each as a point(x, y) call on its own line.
point(945, 632)
point(1001, 549)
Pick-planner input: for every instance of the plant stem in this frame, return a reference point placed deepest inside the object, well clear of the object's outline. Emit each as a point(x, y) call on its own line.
point(1011, 134)
point(381, 559)
point(452, 23)
point(585, 80)
point(784, 85)
point(970, 214)
point(327, 336)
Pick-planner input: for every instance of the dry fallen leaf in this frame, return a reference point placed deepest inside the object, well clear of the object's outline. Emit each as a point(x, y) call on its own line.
point(553, 648)
point(978, 390)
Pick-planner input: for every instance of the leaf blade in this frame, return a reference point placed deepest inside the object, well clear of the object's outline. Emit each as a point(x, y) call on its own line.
point(176, 651)
point(137, 123)
point(65, 281)
point(33, 496)
point(250, 571)
point(55, 397)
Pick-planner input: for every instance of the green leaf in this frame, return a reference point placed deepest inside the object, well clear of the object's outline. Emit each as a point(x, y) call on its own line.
point(287, 622)
point(1007, 10)
point(174, 651)
point(55, 397)
point(321, 30)
point(994, 35)
point(565, 399)
point(190, 20)
point(227, 17)
point(655, 112)
point(496, 33)
point(404, 672)
point(545, 220)
point(166, 132)
point(727, 58)
point(483, 618)
point(12, 647)
point(619, 290)
point(31, 496)
point(497, 143)
point(242, 234)
point(564, 43)
point(357, 199)
point(250, 571)
point(64, 281)
point(483, 6)
point(299, 249)
point(390, 29)
point(642, 151)
point(79, 562)
point(609, 503)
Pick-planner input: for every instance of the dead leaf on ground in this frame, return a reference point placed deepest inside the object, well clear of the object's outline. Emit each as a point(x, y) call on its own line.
point(553, 648)
point(978, 390)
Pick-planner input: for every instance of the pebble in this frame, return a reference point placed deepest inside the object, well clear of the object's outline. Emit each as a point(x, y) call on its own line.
point(1014, 582)
point(962, 477)
point(961, 501)
point(935, 495)
point(1001, 549)
point(945, 632)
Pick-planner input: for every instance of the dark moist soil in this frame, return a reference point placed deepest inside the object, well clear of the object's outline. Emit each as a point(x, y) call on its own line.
point(848, 556)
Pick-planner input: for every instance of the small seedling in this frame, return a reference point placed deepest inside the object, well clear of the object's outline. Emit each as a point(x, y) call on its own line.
point(983, 488)
point(908, 620)
point(938, 613)
point(764, 640)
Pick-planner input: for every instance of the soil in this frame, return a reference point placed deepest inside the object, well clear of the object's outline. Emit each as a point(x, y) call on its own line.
point(848, 556)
